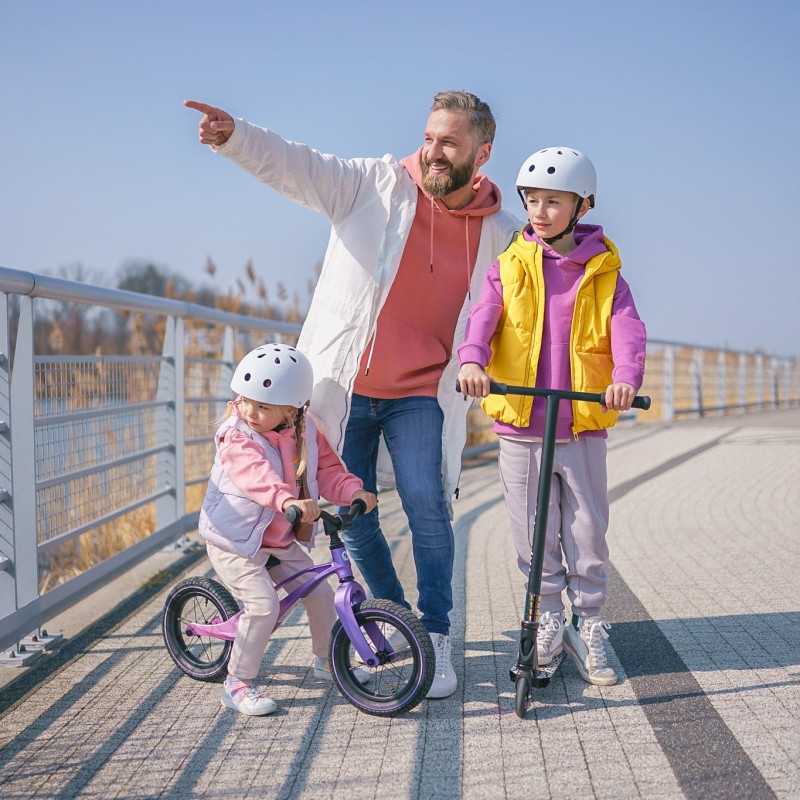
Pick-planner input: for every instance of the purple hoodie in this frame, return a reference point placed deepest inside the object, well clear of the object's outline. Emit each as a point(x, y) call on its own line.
point(562, 276)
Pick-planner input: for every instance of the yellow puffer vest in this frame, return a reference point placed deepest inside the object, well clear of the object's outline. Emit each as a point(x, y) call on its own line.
point(517, 341)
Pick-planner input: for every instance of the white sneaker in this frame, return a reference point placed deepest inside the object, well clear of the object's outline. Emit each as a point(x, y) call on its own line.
point(588, 651)
point(322, 670)
point(444, 682)
point(549, 637)
point(246, 699)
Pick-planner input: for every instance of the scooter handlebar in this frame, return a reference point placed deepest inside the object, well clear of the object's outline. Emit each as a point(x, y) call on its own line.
point(641, 401)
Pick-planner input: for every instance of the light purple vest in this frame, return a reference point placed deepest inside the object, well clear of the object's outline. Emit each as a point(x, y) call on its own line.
point(228, 518)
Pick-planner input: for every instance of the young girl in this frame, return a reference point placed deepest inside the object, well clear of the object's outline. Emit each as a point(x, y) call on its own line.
point(555, 313)
point(269, 456)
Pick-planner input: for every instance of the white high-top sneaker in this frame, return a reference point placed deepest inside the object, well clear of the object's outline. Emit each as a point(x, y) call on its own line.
point(444, 682)
point(588, 651)
point(549, 637)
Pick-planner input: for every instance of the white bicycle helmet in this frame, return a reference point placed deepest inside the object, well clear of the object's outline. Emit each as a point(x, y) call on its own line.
point(561, 168)
point(276, 374)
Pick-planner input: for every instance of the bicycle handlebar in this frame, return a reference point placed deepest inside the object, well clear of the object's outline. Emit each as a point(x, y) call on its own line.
point(341, 521)
point(642, 401)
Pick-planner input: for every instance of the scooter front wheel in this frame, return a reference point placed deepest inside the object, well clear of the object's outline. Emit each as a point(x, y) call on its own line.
point(523, 689)
point(406, 660)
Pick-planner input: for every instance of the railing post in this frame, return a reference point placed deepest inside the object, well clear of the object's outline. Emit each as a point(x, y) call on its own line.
point(23, 466)
point(759, 381)
point(226, 367)
point(742, 381)
point(697, 364)
point(8, 595)
point(668, 388)
point(773, 383)
point(795, 380)
point(170, 424)
point(786, 377)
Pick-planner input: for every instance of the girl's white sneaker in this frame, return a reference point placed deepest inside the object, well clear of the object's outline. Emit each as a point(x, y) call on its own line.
point(246, 699)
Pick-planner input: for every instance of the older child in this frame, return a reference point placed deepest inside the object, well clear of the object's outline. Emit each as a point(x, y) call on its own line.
point(270, 455)
point(555, 313)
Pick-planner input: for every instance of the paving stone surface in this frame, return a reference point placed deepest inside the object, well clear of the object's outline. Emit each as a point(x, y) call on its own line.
point(705, 612)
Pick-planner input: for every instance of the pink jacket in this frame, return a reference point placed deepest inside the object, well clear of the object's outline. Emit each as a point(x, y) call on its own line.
point(253, 477)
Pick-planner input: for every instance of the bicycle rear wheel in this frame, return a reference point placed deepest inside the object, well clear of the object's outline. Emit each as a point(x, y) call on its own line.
point(402, 678)
point(198, 600)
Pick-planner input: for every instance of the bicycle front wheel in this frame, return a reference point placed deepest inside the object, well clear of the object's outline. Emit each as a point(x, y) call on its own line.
point(402, 677)
point(204, 601)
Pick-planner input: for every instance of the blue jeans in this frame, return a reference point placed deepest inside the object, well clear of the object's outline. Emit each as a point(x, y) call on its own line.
point(412, 430)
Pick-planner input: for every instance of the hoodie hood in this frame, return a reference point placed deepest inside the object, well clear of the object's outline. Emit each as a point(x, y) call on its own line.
point(589, 242)
point(487, 198)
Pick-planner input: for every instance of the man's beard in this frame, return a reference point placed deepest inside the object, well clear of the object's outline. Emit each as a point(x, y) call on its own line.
point(438, 186)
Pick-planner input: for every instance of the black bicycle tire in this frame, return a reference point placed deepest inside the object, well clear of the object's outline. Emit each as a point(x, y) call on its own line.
point(209, 590)
point(422, 653)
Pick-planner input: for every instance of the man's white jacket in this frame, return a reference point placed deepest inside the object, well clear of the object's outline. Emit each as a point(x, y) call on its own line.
point(371, 204)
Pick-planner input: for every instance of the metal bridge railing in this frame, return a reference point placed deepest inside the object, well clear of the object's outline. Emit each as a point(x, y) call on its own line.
point(688, 381)
point(92, 446)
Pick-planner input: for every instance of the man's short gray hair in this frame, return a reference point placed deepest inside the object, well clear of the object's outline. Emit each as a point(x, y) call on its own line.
point(480, 115)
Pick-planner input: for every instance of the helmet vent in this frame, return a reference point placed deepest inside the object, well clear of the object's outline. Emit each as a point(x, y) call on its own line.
point(277, 360)
point(247, 376)
point(293, 359)
point(267, 383)
point(551, 170)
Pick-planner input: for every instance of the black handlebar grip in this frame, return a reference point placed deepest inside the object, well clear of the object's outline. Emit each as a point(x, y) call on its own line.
point(359, 506)
point(641, 401)
point(293, 514)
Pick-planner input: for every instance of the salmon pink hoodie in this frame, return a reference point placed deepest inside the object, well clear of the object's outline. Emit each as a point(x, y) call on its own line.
point(413, 339)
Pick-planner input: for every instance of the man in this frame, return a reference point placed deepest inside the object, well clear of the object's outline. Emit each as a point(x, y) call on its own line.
point(409, 247)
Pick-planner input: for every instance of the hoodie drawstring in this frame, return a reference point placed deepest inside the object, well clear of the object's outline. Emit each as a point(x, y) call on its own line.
point(432, 218)
point(466, 234)
point(469, 275)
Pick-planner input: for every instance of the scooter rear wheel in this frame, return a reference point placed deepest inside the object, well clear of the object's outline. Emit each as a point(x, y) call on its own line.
point(522, 703)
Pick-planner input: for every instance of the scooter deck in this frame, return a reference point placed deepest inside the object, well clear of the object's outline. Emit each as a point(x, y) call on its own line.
point(543, 674)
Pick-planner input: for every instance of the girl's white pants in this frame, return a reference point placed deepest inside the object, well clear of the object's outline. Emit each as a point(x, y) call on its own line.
point(249, 582)
point(575, 549)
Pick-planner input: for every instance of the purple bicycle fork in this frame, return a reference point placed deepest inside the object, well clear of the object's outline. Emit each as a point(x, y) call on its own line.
point(348, 594)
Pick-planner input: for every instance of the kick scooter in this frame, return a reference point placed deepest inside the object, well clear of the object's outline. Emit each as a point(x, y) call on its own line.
point(378, 637)
point(526, 674)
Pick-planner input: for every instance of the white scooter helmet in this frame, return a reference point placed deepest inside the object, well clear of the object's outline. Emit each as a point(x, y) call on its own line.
point(561, 168)
point(274, 373)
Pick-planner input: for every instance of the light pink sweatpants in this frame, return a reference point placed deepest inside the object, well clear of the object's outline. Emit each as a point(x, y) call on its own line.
point(249, 582)
point(577, 518)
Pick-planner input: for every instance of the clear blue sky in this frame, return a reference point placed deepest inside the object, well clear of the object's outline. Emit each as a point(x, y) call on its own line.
point(690, 111)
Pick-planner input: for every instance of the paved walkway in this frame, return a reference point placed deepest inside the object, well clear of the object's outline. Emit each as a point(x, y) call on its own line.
point(705, 608)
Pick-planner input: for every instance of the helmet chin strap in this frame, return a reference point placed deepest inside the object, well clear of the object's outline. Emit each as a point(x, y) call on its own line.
point(570, 227)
